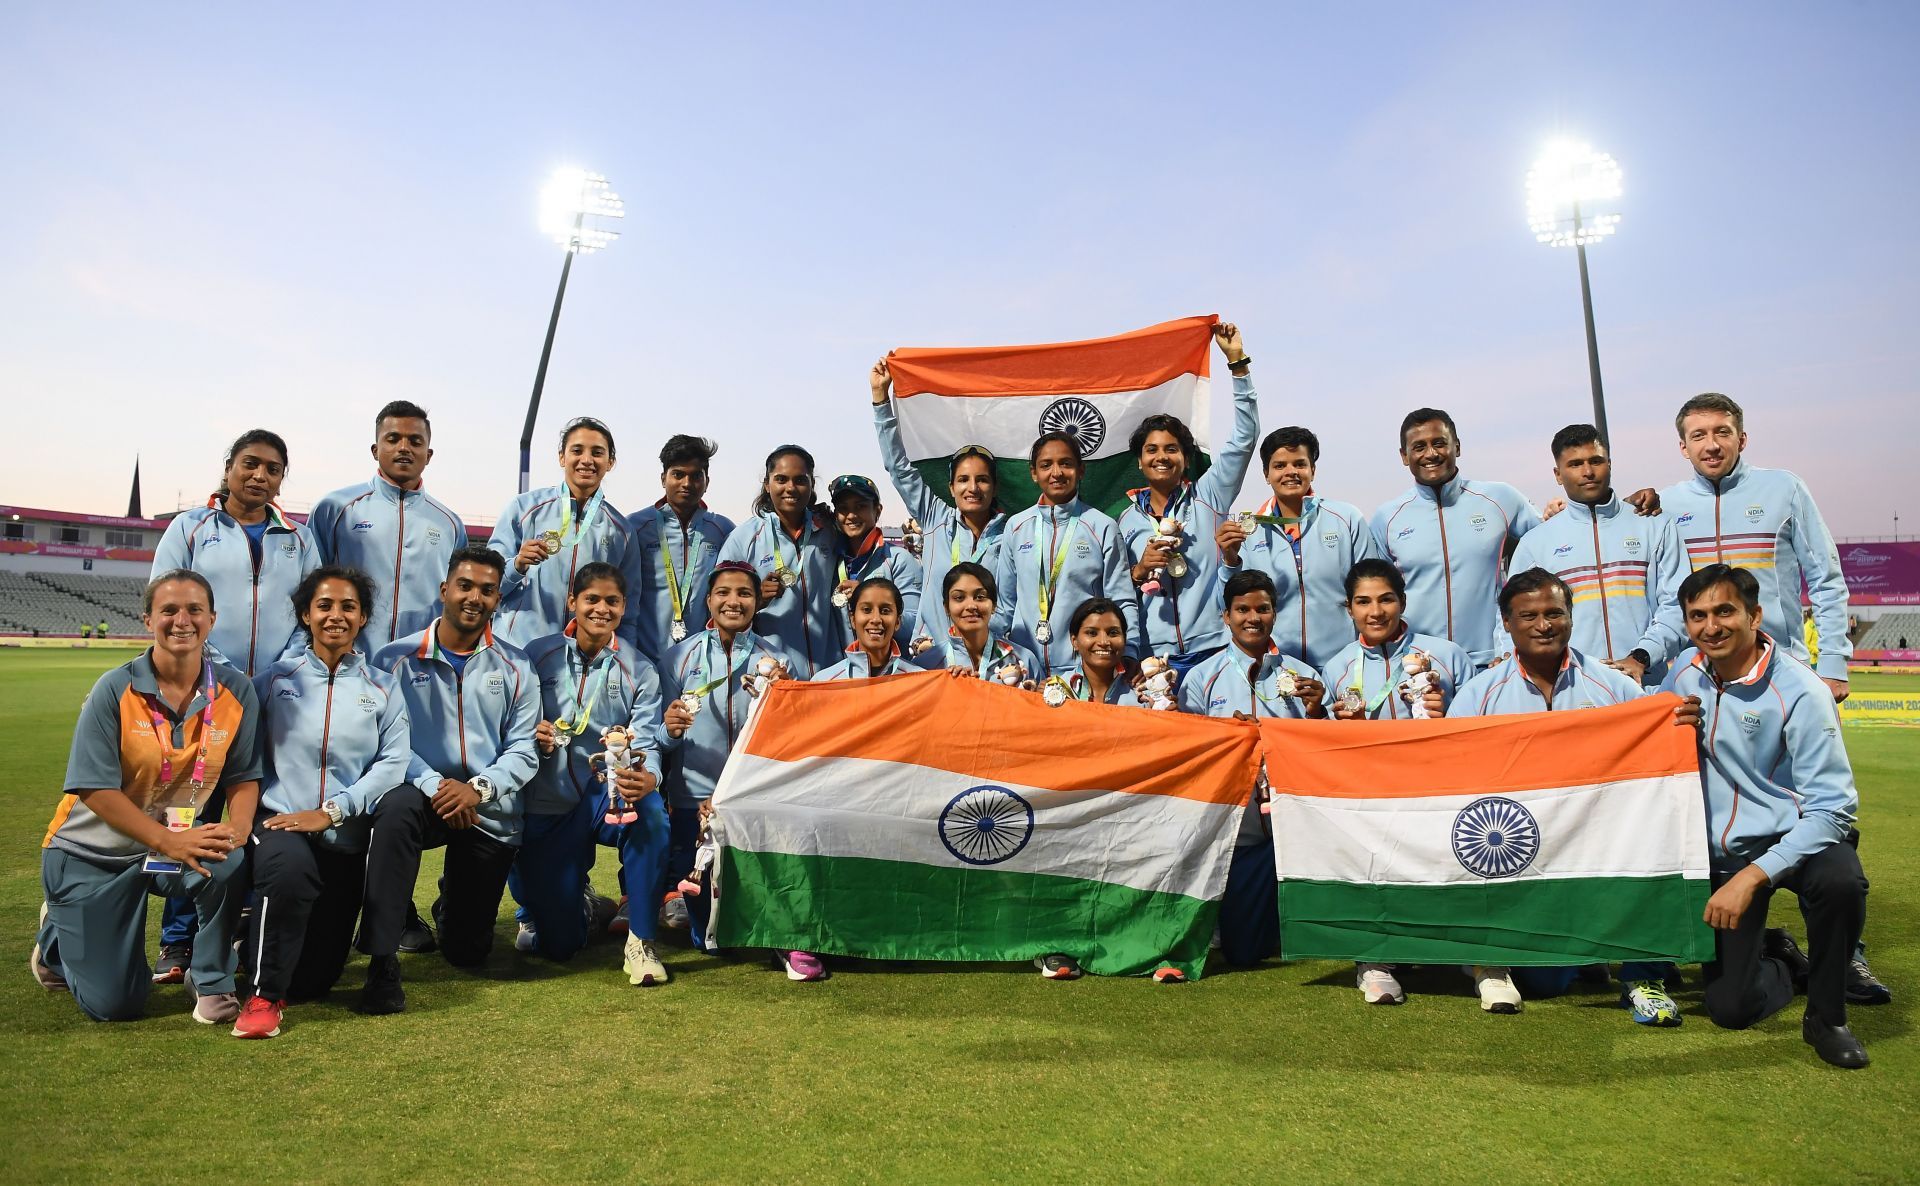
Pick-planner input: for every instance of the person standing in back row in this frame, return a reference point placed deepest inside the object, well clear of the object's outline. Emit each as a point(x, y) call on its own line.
point(676, 542)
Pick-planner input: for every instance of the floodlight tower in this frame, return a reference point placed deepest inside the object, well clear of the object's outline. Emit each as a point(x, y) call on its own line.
point(1571, 190)
point(570, 199)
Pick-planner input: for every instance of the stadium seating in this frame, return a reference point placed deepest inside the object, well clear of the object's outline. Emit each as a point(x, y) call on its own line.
point(1888, 630)
point(63, 603)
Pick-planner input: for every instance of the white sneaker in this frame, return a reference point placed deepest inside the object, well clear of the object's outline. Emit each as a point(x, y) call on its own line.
point(1378, 986)
point(642, 963)
point(526, 938)
point(1497, 992)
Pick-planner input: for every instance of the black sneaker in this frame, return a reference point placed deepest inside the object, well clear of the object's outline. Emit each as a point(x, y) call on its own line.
point(1057, 967)
point(175, 958)
point(1863, 987)
point(416, 938)
point(382, 992)
point(1835, 1044)
point(1780, 946)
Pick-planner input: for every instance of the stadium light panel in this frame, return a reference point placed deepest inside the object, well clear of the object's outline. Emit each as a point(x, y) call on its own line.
point(570, 203)
point(1570, 175)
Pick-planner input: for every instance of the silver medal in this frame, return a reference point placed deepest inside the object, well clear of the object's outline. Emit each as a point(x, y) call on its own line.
point(1043, 633)
point(679, 630)
point(1284, 682)
point(1246, 521)
point(788, 578)
point(1176, 566)
point(692, 702)
point(840, 599)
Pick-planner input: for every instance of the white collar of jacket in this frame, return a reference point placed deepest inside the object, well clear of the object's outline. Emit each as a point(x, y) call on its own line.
point(349, 665)
point(1734, 477)
point(429, 647)
point(1583, 513)
point(1391, 650)
point(276, 518)
point(1762, 665)
point(1445, 495)
point(1309, 506)
point(393, 493)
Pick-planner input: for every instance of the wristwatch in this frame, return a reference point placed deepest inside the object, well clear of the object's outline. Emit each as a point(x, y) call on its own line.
point(482, 786)
point(335, 811)
point(1640, 656)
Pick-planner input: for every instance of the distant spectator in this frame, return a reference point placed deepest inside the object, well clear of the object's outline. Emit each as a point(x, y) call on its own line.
point(86, 631)
point(102, 628)
point(1903, 642)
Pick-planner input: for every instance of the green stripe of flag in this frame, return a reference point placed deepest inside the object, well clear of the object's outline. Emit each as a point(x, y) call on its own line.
point(907, 911)
point(1544, 922)
point(1104, 486)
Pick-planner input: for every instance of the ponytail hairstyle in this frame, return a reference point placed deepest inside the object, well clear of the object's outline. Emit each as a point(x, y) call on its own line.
point(899, 602)
point(310, 584)
point(763, 502)
point(253, 436)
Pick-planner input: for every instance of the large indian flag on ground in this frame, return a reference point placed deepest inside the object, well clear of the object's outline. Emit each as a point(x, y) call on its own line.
point(930, 817)
point(1099, 390)
point(1537, 840)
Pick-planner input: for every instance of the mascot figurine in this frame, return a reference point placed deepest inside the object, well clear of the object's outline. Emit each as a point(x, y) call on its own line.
point(1157, 678)
point(619, 755)
point(1167, 535)
point(1420, 680)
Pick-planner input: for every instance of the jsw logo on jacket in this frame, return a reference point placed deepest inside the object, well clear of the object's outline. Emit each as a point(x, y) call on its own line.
point(534, 603)
point(254, 622)
point(1309, 570)
point(340, 735)
point(1764, 520)
point(479, 721)
point(616, 688)
point(402, 539)
point(1448, 542)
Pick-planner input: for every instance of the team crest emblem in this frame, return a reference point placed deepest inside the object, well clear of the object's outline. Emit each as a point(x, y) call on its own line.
point(1631, 544)
point(1750, 721)
point(1479, 522)
point(1079, 419)
point(1755, 512)
point(1331, 539)
point(1495, 837)
point(433, 535)
point(986, 825)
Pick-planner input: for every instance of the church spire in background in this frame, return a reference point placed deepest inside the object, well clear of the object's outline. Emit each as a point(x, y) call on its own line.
point(133, 498)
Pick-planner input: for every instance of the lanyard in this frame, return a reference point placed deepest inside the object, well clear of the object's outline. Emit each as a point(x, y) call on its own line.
point(1373, 703)
point(976, 553)
point(1078, 686)
point(871, 548)
point(666, 561)
point(746, 653)
point(993, 657)
point(799, 548)
point(1255, 696)
point(569, 534)
point(1050, 580)
point(1143, 501)
point(163, 733)
point(574, 722)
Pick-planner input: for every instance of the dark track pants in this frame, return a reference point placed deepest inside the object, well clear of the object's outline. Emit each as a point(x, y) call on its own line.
point(306, 901)
point(404, 824)
point(549, 876)
point(1250, 908)
point(1744, 986)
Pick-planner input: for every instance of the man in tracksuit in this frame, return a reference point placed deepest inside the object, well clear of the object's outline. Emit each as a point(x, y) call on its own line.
point(1449, 535)
point(1244, 681)
point(475, 704)
point(390, 528)
point(676, 542)
point(1624, 569)
point(1765, 521)
point(1780, 804)
point(1307, 544)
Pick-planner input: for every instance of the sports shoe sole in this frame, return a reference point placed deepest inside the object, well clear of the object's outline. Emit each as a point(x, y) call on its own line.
point(1385, 999)
point(272, 1033)
point(1499, 1007)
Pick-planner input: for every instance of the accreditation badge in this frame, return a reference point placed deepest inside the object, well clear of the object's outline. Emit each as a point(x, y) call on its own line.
point(177, 819)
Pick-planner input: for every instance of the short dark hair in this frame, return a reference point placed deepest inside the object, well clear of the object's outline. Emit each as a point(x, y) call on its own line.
point(1291, 437)
point(1573, 436)
point(477, 554)
point(968, 568)
point(1090, 607)
point(1174, 427)
point(682, 448)
point(1372, 568)
point(899, 602)
point(310, 584)
point(1421, 416)
point(599, 570)
point(588, 422)
point(1709, 401)
point(1066, 438)
point(1247, 580)
point(1701, 579)
point(402, 409)
point(1532, 581)
point(169, 576)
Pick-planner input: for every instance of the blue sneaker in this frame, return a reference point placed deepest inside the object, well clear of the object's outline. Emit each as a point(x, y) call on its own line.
point(1650, 1003)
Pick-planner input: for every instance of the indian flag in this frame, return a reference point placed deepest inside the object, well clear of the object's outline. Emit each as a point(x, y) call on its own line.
point(1542, 839)
point(1003, 397)
point(931, 817)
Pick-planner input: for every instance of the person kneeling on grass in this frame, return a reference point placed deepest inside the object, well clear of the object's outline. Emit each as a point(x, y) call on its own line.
point(1546, 674)
point(706, 708)
point(475, 703)
point(337, 732)
point(157, 738)
point(1780, 804)
point(1364, 682)
point(1248, 680)
point(591, 682)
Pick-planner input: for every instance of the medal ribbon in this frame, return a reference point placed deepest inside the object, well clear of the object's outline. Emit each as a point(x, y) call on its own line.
point(799, 544)
point(163, 733)
point(666, 561)
point(997, 654)
point(569, 534)
point(705, 667)
point(974, 553)
point(574, 721)
point(1049, 581)
point(868, 547)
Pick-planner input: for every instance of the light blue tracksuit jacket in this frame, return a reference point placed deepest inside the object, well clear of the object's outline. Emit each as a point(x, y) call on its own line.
point(998, 655)
point(1583, 682)
point(534, 603)
point(1764, 520)
point(1378, 672)
point(945, 540)
point(1230, 681)
point(672, 555)
point(1185, 617)
point(254, 622)
point(857, 666)
point(895, 564)
point(1625, 573)
point(477, 722)
point(1310, 619)
point(802, 621)
point(340, 735)
point(402, 539)
point(1449, 542)
point(1778, 783)
point(1094, 564)
point(704, 664)
point(624, 690)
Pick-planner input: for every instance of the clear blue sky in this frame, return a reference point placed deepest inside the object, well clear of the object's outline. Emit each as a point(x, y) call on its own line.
point(218, 217)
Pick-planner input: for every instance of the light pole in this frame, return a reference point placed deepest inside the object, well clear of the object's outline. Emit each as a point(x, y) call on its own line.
point(1570, 194)
point(570, 199)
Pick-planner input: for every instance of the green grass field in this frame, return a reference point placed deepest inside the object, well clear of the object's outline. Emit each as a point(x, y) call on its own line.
point(733, 1074)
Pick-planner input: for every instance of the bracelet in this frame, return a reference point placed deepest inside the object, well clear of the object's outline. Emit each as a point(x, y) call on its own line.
point(1238, 368)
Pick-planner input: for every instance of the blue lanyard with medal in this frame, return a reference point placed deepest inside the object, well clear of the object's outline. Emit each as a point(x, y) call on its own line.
point(180, 819)
point(576, 711)
point(1050, 580)
point(569, 535)
point(679, 629)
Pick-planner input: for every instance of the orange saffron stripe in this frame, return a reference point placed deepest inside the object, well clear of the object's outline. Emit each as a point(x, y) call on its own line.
point(1132, 361)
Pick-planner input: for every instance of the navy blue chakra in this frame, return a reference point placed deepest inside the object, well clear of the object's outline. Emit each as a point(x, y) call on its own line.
point(1495, 837)
point(1079, 419)
point(986, 825)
